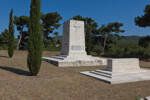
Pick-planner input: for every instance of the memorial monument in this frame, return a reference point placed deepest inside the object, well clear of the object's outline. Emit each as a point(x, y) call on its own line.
point(122, 70)
point(73, 51)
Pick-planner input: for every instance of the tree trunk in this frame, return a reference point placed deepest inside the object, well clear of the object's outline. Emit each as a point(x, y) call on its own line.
point(18, 44)
point(105, 43)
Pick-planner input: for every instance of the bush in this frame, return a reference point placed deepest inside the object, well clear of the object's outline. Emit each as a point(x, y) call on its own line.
point(146, 52)
point(51, 45)
point(4, 47)
point(52, 48)
point(115, 51)
point(144, 41)
point(129, 51)
point(98, 49)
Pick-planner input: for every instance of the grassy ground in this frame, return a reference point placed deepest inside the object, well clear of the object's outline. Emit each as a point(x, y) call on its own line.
point(55, 83)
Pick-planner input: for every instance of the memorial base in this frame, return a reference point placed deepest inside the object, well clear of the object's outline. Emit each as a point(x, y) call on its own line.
point(116, 78)
point(66, 61)
point(121, 71)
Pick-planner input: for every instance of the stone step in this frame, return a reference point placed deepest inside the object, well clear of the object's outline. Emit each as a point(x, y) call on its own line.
point(101, 74)
point(63, 55)
point(50, 59)
point(58, 57)
point(103, 78)
point(104, 72)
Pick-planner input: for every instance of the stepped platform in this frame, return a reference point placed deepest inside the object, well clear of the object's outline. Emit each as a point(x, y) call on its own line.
point(66, 61)
point(116, 78)
point(120, 71)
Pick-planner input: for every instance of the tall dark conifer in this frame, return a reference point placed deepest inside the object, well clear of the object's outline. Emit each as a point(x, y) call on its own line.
point(11, 35)
point(35, 39)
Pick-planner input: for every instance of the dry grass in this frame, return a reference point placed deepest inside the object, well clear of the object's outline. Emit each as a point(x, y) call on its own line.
point(55, 83)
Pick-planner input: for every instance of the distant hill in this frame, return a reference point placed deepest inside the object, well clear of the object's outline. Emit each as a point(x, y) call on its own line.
point(134, 38)
point(131, 39)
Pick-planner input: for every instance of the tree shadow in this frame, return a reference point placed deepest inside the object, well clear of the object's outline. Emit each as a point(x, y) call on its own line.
point(145, 67)
point(16, 70)
point(4, 56)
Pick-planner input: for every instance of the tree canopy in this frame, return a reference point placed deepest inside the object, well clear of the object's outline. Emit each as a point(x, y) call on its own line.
point(110, 33)
point(22, 24)
point(50, 23)
point(144, 20)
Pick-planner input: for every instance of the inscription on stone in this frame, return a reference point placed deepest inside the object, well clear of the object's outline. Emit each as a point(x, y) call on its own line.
point(76, 26)
point(77, 48)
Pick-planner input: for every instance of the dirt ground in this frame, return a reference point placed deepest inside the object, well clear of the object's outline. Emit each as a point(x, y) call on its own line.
point(55, 83)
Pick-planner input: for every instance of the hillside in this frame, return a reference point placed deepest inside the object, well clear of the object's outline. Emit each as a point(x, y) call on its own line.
point(125, 38)
point(131, 39)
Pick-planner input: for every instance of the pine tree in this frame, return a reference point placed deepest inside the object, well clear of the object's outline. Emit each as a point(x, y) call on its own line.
point(11, 35)
point(35, 39)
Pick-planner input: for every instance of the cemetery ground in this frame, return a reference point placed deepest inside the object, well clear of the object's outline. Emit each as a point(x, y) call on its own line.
point(55, 83)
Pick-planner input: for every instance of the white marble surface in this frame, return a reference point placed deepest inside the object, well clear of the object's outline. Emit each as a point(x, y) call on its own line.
point(146, 98)
point(73, 42)
point(123, 64)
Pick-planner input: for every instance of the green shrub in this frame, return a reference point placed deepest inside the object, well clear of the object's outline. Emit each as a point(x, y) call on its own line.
point(128, 51)
point(52, 48)
point(4, 47)
point(147, 52)
point(115, 51)
point(98, 49)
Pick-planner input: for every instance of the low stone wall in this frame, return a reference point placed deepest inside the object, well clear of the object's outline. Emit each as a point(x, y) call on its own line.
point(123, 64)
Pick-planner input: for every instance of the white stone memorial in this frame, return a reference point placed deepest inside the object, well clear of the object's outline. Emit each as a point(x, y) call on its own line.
point(73, 48)
point(121, 71)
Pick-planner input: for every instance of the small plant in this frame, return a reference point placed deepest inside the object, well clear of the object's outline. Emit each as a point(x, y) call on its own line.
point(137, 98)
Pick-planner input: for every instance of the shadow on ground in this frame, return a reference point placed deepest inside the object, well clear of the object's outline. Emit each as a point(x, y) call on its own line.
point(146, 67)
point(16, 70)
point(4, 56)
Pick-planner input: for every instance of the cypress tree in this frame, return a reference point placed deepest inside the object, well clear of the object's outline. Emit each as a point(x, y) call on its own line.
point(11, 35)
point(35, 39)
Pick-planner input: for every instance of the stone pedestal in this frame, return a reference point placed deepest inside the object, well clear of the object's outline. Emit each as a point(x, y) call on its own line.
point(121, 71)
point(73, 48)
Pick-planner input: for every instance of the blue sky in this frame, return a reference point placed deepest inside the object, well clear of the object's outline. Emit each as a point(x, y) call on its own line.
point(102, 11)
